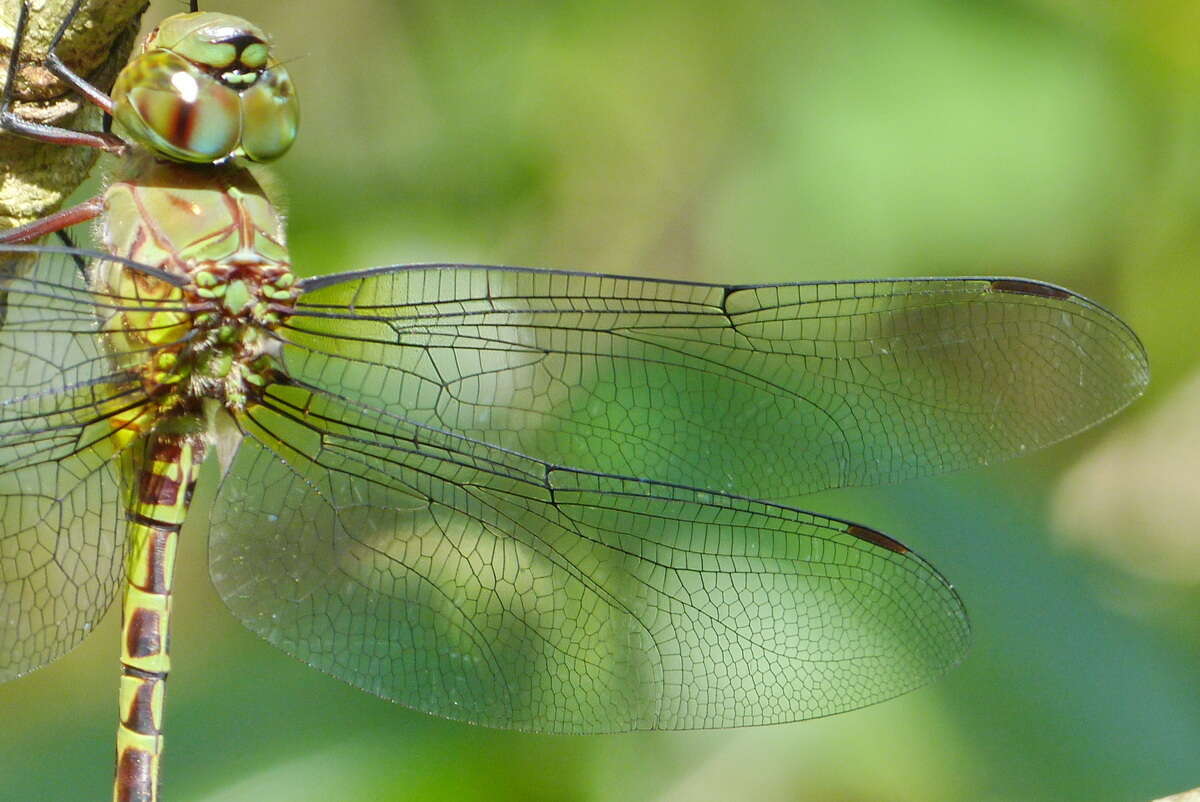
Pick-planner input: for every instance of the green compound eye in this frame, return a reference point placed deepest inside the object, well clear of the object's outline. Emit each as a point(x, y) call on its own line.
point(169, 105)
point(270, 116)
point(203, 91)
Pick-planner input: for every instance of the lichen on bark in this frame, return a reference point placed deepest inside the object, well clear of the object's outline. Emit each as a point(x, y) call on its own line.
point(36, 177)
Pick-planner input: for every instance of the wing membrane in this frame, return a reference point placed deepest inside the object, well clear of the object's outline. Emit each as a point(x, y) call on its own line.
point(479, 584)
point(769, 391)
point(61, 550)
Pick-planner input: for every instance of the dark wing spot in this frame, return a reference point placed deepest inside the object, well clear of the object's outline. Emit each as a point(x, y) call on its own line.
point(1017, 286)
point(878, 538)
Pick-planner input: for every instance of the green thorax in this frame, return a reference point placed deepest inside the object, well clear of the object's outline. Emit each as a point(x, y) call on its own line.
point(209, 336)
point(162, 212)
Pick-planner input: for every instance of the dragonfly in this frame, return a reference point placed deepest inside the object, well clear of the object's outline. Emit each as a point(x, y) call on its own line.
point(518, 497)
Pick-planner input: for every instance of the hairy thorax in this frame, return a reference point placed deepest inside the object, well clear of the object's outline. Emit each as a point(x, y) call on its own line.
point(208, 331)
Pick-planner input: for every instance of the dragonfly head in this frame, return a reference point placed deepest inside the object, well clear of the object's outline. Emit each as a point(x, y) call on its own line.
point(205, 88)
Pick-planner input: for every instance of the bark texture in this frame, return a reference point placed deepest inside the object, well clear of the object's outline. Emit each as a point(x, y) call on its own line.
point(35, 178)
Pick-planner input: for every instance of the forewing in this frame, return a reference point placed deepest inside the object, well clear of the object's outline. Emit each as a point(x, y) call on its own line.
point(61, 550)
point(478, 584)
point(768, 391)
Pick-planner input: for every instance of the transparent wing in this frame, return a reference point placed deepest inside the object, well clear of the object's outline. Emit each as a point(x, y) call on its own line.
point(61, 549)
point(478, 584)
point(766, 391)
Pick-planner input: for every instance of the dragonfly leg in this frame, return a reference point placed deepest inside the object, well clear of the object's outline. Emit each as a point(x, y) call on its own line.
point(59, 68)
point(80, 263)
point(66, 218)
point(14, 123)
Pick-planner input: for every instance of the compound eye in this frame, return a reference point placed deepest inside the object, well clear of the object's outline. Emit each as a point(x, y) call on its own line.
point(270, 116)
point(169, 105)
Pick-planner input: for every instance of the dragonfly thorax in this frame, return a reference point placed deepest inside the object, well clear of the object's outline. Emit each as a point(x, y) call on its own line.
point(196, 326)
point(209, 339)
point(204, 89)
point(236, 309)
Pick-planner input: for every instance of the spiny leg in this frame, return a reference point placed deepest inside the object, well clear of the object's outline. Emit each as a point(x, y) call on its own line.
point(80, 262)
point(31, 232)
point(14, 123)
point(59, 67)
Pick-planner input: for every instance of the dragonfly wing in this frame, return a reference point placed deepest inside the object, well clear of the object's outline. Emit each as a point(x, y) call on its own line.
point(478, 584)
point(61, 548)
point(769, 391)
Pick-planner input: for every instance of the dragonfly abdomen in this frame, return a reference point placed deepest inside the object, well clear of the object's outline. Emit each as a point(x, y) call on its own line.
point(157, 508)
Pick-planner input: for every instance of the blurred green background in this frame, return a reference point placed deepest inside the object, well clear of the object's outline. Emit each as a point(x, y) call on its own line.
point(753, 142)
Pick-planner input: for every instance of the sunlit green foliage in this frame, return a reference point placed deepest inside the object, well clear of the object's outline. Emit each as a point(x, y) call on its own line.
point(775, 141)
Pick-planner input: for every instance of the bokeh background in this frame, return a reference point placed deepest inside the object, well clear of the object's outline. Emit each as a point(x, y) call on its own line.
point(754, 142)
